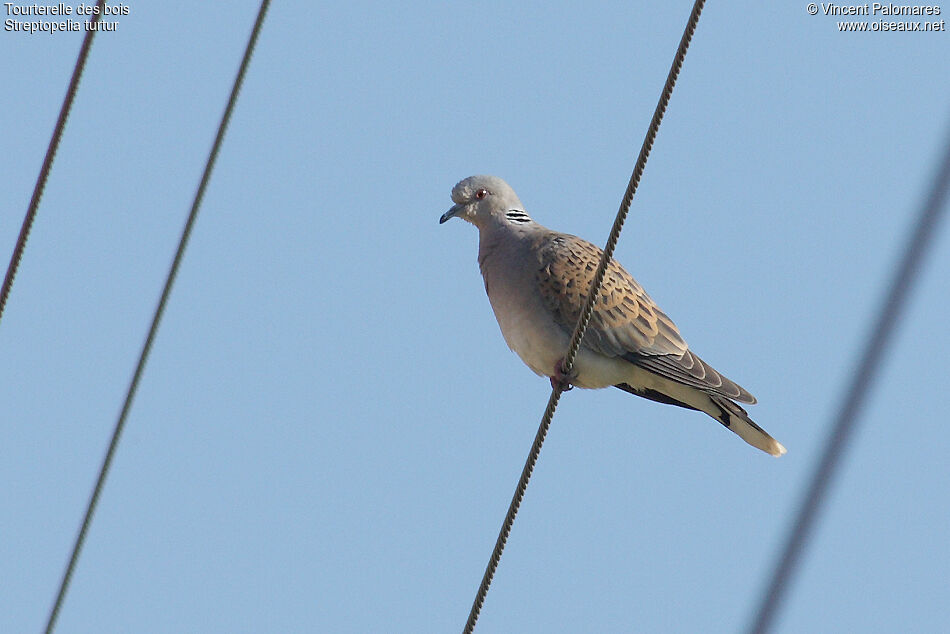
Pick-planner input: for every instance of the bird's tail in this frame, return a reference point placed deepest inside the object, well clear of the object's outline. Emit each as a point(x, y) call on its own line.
point(737, 420)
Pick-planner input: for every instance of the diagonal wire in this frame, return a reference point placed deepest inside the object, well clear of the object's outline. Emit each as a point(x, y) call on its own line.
point(581, 327)
point(868, 366)
point(170, 280)
point(48, 160)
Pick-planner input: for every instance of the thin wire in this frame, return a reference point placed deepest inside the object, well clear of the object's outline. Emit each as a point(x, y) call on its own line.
point(868, 366)
point(585, 316)
point(159, 310)
point(48, 160)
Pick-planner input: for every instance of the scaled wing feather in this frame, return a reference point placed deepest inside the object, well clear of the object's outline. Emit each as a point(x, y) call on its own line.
point(626, 322)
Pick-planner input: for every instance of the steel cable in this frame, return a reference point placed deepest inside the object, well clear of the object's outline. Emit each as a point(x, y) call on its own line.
point(845, 420)
point(159, 310)
point(585, 316)
point(48, 160)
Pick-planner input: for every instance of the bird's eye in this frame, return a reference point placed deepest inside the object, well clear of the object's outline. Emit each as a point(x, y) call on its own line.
point(481, 193)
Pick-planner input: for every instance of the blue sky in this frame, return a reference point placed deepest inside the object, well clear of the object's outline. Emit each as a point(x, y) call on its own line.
point(330, 426)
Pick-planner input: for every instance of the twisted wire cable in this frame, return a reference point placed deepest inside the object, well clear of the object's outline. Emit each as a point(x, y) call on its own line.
point(156, 319)
point(585, 316)
point(48, 159)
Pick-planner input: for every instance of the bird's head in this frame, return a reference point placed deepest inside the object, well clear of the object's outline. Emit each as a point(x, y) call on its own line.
point(478, 199)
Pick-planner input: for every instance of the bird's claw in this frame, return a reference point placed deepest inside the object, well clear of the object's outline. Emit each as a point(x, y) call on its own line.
point(559, 378)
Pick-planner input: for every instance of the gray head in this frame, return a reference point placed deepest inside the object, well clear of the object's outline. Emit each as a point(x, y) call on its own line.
point(481, 199)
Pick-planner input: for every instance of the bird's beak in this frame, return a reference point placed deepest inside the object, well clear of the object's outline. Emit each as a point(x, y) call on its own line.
point(451, 213)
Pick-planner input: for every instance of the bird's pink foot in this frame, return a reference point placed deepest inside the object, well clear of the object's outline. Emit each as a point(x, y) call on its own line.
point(562, 379)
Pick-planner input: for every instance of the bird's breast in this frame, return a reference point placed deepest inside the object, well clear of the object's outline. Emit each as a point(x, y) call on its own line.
point(529, 328)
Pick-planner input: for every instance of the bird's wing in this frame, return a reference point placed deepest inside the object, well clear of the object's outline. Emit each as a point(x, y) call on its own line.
point(626, 322)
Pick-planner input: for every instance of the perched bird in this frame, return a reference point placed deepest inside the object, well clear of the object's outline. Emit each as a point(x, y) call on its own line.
point(537, 281)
